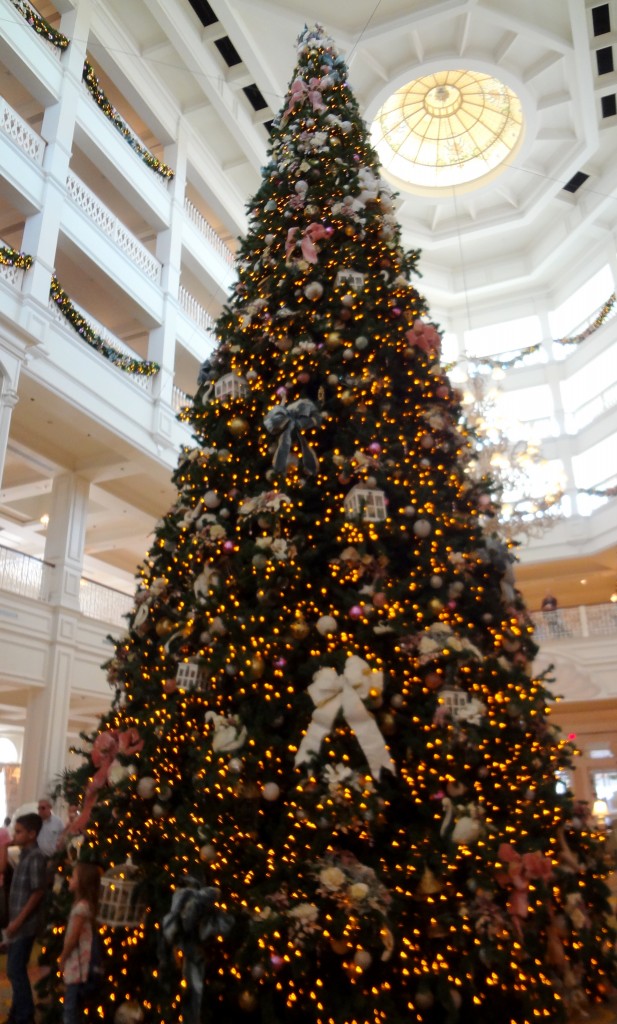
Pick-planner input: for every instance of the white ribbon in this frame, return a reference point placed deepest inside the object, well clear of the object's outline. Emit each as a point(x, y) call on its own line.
point(333, 694)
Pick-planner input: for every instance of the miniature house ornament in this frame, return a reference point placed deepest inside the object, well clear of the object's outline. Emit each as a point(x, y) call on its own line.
point(367, 502)
point(230, 385)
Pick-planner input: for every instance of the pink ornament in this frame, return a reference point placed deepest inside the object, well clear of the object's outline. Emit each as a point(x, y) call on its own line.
point(329, 231)
point(395, 311)
point(304, 378)
point(355, 612)
point(374, 447)
point(170, 685)
point(452, 605)
point(281, 392)
point(280, 662)
point(276, 961)
point(442, 391)
point(356, 157)
point(379, 599)
point(228, 545)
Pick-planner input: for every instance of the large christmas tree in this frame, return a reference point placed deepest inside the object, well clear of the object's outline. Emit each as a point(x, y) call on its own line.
point(328, 759)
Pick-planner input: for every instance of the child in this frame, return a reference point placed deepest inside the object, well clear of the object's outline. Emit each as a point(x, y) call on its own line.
point(25, 908)
point(84, 883)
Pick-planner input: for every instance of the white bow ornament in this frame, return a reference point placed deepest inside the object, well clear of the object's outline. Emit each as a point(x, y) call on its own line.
point(333, 694)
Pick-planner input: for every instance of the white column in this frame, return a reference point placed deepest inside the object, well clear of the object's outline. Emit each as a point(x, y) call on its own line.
point(64, 545)
point(40, 237)
point(45, 736)
point(8, 400)
point(162, 340)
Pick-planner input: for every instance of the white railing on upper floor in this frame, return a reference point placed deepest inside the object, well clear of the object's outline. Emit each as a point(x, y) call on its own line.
point(208, 232)
point(27, 576)
point(140, 379)
point(23, 574)
point(104, 219)
point(20, 132)
point(582, 622)
point(589, 411)
point(179, 399)
point(196, 312)
point(97, 601)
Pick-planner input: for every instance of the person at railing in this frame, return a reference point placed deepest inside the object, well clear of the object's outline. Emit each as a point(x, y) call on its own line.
point(551, 614)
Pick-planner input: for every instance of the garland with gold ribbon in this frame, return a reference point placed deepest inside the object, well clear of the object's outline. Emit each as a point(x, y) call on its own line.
point(12, 258)
point(101, 100)
point(40, 26)
point(129, 364)
point(576, 339)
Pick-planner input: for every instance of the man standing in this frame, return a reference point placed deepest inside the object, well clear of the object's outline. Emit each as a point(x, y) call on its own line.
point(51, 830)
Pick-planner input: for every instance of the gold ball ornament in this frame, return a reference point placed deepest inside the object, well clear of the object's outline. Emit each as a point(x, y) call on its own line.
point(257, 667)
point(300, 629)
point(435, 604)
point(237, 426)
point(388, 724)
point(129, 1013)
point(333, 341)
point(247, 1001)
point(339, 946)
point(164, 627)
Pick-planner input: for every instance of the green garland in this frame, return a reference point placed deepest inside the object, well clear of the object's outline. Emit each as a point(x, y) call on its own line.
point(576, 339)
point(40, 26)
point(12, 258)
point(92, 84)
point(141, 367)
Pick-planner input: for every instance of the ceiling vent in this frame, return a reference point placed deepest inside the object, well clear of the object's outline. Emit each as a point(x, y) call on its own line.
point(254, 97)
point(601, 18)
point(575, 182)
point(205, 13)
point(228, 51)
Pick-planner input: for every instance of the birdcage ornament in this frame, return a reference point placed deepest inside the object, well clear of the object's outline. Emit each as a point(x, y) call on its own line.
point(190, 675)
point(354, 278)
point(119, 904)
point(230, 385)
point(367, 502)
point(453, 700)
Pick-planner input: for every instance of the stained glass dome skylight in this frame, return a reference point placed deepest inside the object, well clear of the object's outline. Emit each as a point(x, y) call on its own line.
point(448, 128)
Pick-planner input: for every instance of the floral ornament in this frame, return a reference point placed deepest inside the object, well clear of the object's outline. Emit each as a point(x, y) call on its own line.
point(289, 422)
point(521, 870)
point(440, 640)
point(228, 734)
point(334, 694)
point(278, 547)
point(267, 501)
point(355, 889)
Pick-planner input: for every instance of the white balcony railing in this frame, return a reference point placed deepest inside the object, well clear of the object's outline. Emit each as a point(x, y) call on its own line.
point(196, 312)
point(591, 410)
point(103, 603)
point(580, 623)
point(180, 399)
point(20, 132)
point(141, 380)
point(24, 575)
point(208, 232)
point(27, 576)
point(113, 228)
